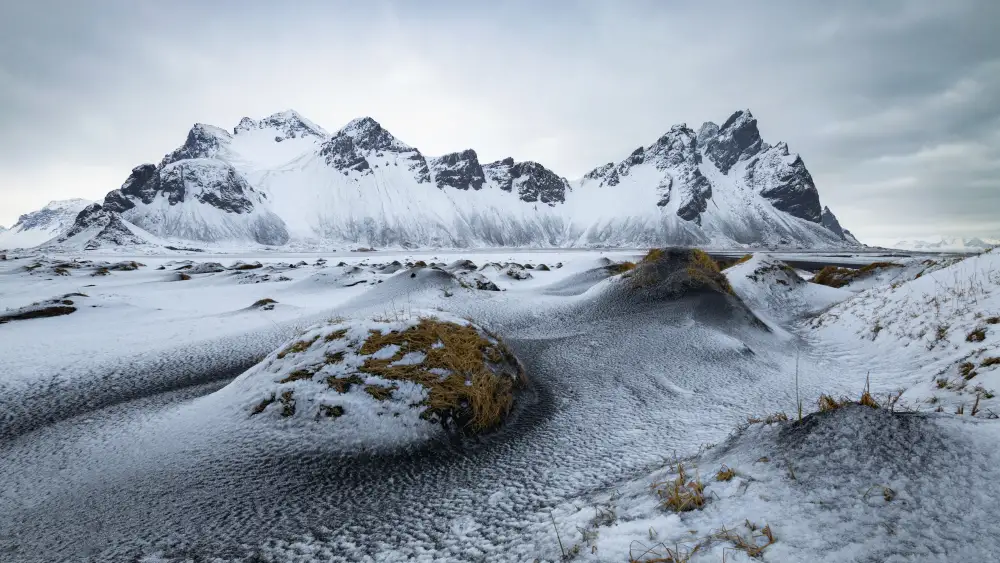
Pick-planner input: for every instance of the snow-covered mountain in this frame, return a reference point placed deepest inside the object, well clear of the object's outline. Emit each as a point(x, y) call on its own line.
point(284, 178)
point(949, 244)
point(36, 227)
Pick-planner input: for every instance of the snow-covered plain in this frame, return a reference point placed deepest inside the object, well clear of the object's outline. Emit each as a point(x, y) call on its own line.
point(117, 445)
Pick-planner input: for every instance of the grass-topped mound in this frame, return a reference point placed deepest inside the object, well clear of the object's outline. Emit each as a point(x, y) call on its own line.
point(676, 271)
point(834, 276)
point(414, 374)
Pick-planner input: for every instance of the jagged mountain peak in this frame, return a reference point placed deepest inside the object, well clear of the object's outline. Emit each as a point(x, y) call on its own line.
point(202, 141)
point(738, 138)
point(288, 123)
point(369, 134)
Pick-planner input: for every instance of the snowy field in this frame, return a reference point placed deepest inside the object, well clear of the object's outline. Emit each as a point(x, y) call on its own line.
point(121, 442)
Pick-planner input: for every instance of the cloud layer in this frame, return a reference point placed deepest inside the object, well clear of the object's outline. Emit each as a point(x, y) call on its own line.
point(891, 104)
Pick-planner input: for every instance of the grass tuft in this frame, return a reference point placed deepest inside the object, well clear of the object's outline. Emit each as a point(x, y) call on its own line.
point(297, 348)
point(680, 494)
point(474, 394)
point(753, 543)
point(833, 276)
point(769, 419)
point(989, 362)
point(725, 474)
point(977, 335)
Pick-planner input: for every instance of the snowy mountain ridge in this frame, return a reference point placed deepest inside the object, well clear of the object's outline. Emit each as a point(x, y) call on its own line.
point(37, 227)
point(953, 244)
point(284, 179)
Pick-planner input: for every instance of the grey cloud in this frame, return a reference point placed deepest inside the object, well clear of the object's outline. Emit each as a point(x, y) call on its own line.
point(572, 84)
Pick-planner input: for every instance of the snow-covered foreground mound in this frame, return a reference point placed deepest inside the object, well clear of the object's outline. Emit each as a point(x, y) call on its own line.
point(776, 292)
point(383, 382)
point(853, 484)
point(943, 326)
point(633, 364)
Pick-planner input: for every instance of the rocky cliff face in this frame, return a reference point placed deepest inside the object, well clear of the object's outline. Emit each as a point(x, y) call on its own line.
point(459, 170)
point(531, 181)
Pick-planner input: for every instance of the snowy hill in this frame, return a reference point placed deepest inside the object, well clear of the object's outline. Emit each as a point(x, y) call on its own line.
point(39, 226)
point(284, 179)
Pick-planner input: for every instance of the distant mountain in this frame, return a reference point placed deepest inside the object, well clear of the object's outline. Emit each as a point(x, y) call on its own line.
point(949, 244)
point(39, 226)
point(284, 179)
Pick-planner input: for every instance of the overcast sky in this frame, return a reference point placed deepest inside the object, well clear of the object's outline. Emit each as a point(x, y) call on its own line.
point(893, 105)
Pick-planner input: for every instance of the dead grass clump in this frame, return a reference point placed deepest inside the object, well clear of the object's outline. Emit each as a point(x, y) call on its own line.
point(262, 302)
point(868, 400)
point(827, 403)
point(839, 277)
point(702, 268)
point(769, 419)
point(183, 277)
point(335, 335)
point(343, 384)
point(297, 348)
point(989, 362)
point(680, 494)
point(660, 553)
point(977, 335)
point(297, 375)
point(334, 411)
point(380, 392)
point(621, 267)
point(744, 258)
point(753, 543)
point(253, 266)
point(101, 271)
point(967, 370)
point(725, 474)
point(288, 403)
point(259, 408)
point(334, 358)
point(474, 395)
point(653, 255)
point(993, 320)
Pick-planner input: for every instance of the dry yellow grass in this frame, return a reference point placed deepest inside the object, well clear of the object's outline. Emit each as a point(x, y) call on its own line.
point(621, 267)
point(702, 268)
point(769, 419)
point(990, 362)
point(839, 277)
point(827, 403)
point(977, 335)
point(297, 348)
point(472, 394)
point(725, 474)
point(754, 543)
point(680, 494)
point(653, 255)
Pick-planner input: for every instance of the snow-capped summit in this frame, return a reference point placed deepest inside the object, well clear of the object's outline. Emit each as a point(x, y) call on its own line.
point(284, 178)
point(288, 123)
point(36, 227)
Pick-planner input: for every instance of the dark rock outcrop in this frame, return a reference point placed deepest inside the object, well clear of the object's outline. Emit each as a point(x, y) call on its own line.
point(459, 170)
point(785, 182)
point(738, 138)
point(534, 182)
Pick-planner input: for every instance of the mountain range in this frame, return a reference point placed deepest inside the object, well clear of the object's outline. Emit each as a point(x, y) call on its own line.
point(949, 244)
point(283, 180)
point(38, 227)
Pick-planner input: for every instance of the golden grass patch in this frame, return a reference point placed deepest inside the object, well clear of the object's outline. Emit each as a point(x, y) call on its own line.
point(769, 419)
point(977, 335)
point(472, 392)
point(726, 473)
point(680, 494)
point(298, 347)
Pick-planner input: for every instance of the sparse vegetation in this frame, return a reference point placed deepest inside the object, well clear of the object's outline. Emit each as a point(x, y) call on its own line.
point(473, 395)
point(977, 335)
point(992, 361)
point(725, 474)
point(834, 276)
point(753, 543)
point(265, 303)
point(297, 348)
point(703, 269)
point(680, 494)
point(769, 419)
point(967, 370)
point(621, 267)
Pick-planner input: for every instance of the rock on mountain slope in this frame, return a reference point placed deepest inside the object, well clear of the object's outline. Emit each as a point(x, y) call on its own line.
point(283, 178)
point(39, 226)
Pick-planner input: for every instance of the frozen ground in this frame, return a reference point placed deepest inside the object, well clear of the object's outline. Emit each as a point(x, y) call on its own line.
point(115, 448)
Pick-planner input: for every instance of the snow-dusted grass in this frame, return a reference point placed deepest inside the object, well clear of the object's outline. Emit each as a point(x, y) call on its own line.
point(384, 380)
